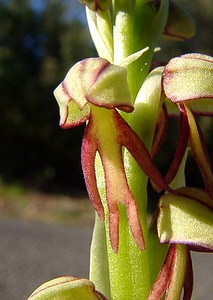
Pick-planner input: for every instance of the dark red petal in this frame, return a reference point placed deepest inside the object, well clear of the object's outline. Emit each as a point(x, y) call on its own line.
point(180, 149)
point(164, 277)
point(138, 150)
point(88, 152)
point(162, 125)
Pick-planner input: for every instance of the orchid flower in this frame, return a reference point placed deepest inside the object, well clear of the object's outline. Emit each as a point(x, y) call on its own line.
point(182, 89)
point(94, 85)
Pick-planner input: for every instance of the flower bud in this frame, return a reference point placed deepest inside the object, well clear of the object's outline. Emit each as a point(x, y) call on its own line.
point(66, 288)
point(179, 24)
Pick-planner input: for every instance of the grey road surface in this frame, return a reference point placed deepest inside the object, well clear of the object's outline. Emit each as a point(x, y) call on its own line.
point(32, 253)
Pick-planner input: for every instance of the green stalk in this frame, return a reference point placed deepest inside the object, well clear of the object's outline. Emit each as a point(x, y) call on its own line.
point(99, 268)
point(128, 270)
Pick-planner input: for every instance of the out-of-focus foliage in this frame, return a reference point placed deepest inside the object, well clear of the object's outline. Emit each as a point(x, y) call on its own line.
point(37, 47)
point(201, 11)
point(38, 44)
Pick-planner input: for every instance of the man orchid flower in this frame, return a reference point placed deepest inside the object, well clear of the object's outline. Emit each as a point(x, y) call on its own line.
point(183, 89)
point(98, 88)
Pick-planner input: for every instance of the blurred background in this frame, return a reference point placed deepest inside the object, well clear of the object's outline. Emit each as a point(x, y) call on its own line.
point(40, 170)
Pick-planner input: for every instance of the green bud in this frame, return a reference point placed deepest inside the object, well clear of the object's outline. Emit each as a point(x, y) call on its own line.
point(66, 288)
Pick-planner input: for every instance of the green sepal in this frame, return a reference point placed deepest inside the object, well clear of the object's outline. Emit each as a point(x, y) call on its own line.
point(189, 77)
point(183, 220)
point(96, 81)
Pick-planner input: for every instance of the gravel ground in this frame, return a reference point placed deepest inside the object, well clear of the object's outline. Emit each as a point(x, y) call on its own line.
point(31, 253)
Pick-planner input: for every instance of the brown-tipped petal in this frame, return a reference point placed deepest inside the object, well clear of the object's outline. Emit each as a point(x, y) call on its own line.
point(200, 151)
point(180, 148)
point(134, 222)
point(88, 152)
point(162, 125)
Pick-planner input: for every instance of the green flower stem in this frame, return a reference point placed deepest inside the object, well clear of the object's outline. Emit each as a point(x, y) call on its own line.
point(99, 268)
point(129, 270)
point(143, 121)
point(130, 262)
